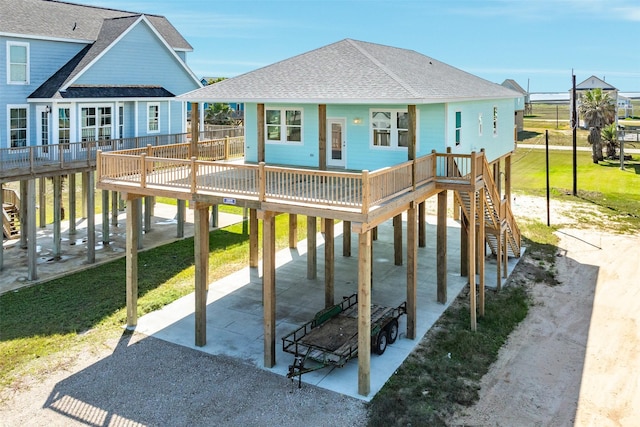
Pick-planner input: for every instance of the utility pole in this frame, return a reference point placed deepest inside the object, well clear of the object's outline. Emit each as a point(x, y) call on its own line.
point(574, 126)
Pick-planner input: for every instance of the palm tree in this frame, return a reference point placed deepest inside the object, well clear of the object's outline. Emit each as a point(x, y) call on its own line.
point(598, 110)
point(610, 137)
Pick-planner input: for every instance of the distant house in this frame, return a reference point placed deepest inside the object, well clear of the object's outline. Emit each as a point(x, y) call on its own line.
point(520, 103)
point(75, 73)
point(591, 83)
point(366, 88)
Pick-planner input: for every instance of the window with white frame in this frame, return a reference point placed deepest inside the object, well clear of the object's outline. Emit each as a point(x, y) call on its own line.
point(64, 126)
point(18, 125)
point(120, 122)
point(283, 125)
point(95, 123)
point(17, 63)
point(458, 127)
point(153, 118)
point(495, 120)
point(390, 128)
point(480, 124)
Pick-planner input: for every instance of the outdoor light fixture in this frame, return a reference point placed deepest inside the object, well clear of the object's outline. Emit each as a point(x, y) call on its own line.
point(47, 109)
point(357, 121)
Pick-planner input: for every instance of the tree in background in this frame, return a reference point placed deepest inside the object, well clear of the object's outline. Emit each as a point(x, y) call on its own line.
point(598, 110)
point(610, 137)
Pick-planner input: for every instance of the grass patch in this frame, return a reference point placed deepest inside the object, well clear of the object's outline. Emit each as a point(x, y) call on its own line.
point(59, 318)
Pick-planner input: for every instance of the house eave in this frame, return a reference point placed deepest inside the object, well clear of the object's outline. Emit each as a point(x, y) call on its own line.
point(46, 38)
point(341, 101)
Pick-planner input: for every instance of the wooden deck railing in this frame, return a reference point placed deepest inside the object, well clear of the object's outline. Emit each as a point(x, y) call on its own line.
point(356, 191)
point(40, 159)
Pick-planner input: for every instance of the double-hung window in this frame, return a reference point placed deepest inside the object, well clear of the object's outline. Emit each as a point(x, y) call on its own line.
point(283, 125)
point(64, 127)
point(17, 63)
point(390, 128)
point(495, 120)
point(153, 118)
point(18, 125)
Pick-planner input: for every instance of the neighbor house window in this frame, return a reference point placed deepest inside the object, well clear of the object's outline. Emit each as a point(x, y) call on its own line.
point(283, 125)
point(17, 63)
point(458, 127)
point(495, 120)
point(153, 118)
point(18, 125)
point(64, 126)
point(390, 128)
point(95, 123)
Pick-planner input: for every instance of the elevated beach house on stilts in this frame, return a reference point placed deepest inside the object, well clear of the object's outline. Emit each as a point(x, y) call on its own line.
point(76, 79)
point(353, 131)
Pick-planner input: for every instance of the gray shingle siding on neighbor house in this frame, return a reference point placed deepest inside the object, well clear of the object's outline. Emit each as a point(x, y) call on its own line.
point(352, 71)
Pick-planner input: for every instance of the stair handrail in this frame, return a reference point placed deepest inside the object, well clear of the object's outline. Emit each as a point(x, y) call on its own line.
point(491, 188)
point(11, 197)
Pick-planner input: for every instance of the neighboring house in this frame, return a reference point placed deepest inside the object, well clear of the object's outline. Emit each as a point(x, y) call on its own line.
point(521, 104)
point(591, 83)
point(366, 88)
point(75, 73)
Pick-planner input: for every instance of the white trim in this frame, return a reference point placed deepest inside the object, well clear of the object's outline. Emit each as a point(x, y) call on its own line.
point(480, 124)
point(28, 64)
point(283, 126)
point(458, 140)
point(149, 105)
point(136, 116)
point(45, 38)
point(330, 161)
point(15, 107)
point(394, 130)
point(169, 117)
point(97, 126)
point(142, 18)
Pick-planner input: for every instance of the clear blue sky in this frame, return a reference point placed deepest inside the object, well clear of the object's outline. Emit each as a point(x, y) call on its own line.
point(535, 41)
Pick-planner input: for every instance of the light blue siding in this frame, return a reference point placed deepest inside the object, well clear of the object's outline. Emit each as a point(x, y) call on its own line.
point(140, 59)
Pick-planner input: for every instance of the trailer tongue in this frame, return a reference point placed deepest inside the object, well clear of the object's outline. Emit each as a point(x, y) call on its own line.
point(331, 338)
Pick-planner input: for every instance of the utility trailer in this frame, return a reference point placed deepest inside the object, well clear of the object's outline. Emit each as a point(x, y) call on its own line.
point(331, 338)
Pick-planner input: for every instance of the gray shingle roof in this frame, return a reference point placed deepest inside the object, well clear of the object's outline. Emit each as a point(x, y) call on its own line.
point(50, 18)
point(351, 71)
point(594, 82)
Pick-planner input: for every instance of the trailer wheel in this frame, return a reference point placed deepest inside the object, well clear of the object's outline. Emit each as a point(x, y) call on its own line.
point(381, 342)
point(392, 331)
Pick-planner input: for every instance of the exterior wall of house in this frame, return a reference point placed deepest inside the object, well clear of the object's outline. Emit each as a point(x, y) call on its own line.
point(477, 127)
point(151, 65)
point(44, 59)
point(436, 130)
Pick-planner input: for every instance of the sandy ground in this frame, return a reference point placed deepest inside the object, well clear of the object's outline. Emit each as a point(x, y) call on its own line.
point(575, 359)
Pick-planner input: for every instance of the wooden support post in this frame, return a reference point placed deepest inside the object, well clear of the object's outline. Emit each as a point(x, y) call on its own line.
point(269, 287)
point(91, 219)
point(261, 135)
point(499, 261)
point(505, 254)
point(397, 239)
point(507, 178)
point(85, 192)
point(441, 243)
point(72, 204)
point(322, 137)
point(456, 209)
point(30, 203)
point(131, 254)
point(464, 246)
point(412, 271)
point(346, 238)
point(195, 129)
point(293, 231)
point(148, 202)
point(329, 267)
point(105, 217)
point(201, 252)
point(114, 208)
point(57, 217)
point(422, 225)
point(214, 216)
point(472, 258)
point(364, 313)
point(496, 177)
point(312, 255)
point(253, 238)
point(42, 201)
point(481, 248)
point(140, 227)
point(24, 213)
point(374, 233)
point(180, 217)
point(245, 221)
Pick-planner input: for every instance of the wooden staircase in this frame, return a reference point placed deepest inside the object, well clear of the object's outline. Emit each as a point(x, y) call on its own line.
point(10, 214)
point(501, 230)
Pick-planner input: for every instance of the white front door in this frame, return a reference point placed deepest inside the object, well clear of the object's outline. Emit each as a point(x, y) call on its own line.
point(337, 142)
point(44, 130)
